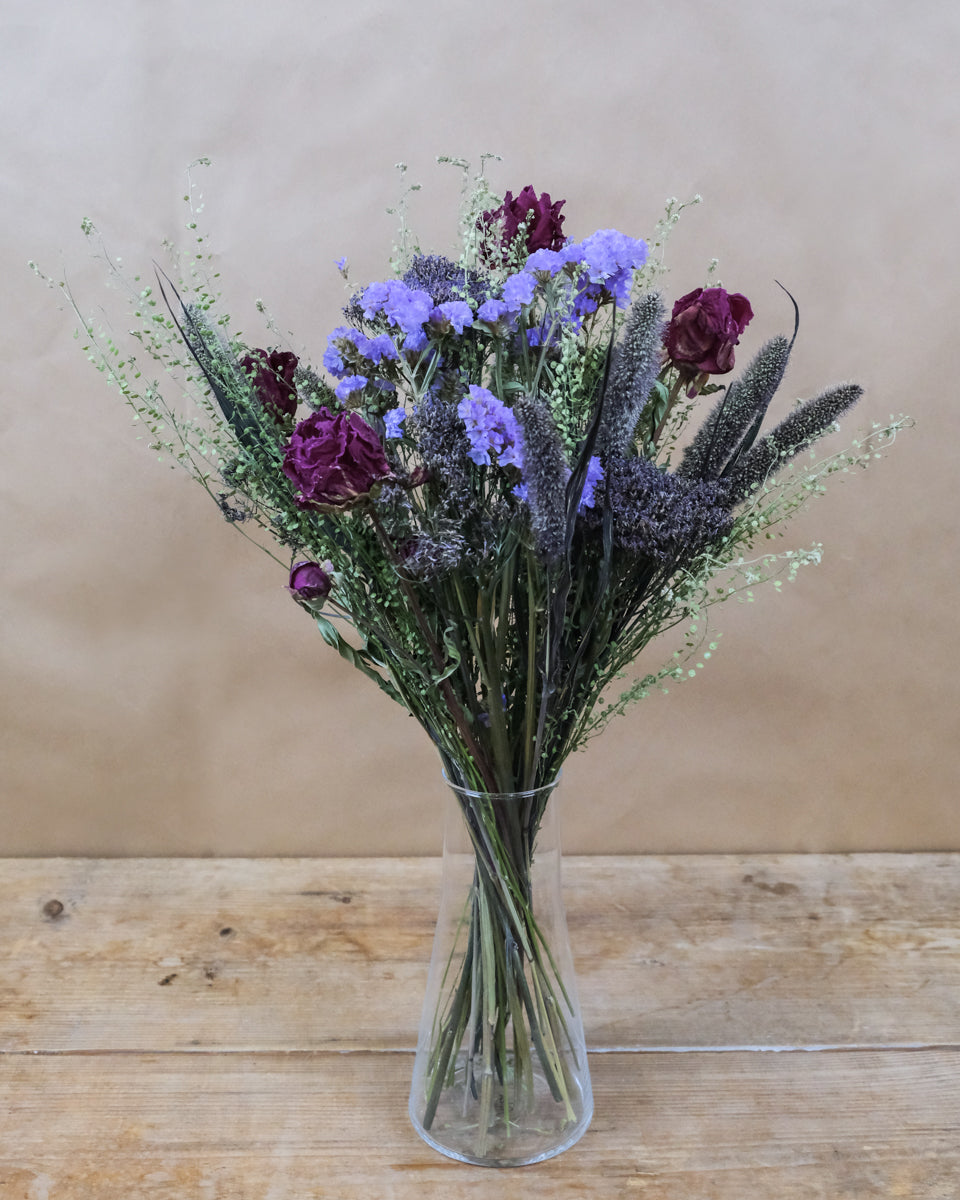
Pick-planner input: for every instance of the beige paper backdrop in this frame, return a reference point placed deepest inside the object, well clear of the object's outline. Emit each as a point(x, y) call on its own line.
point(160, 693)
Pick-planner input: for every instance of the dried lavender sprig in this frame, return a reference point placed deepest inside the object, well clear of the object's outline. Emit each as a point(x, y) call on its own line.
point(545, 473)
point(731, 428)
point(636, 361)
point(795, 433)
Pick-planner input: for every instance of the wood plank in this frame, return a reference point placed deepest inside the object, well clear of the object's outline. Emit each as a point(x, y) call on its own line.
point(695, 951)
point(668, 1126)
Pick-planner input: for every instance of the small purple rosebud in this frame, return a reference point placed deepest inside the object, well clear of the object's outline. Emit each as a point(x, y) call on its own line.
point(309, 582)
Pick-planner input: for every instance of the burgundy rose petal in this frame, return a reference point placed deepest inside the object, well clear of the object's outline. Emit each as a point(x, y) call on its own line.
point(334, 458)
point(705, 326)
point(272, 375)
point(540, 215)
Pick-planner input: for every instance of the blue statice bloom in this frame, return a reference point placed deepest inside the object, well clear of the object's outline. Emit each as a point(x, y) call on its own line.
point(350, 383)
point(378, 348)
point(373, 350)
point(493, 311)
point(609, 259)
point(341, 265)
point(594, 476)
point(548, 333)
point(393, 421)
point(457, 312)
point(607, 252)
point(333, 355)
point(552, 262)
point(407, 308)
point(518, 290)
point(491, 429)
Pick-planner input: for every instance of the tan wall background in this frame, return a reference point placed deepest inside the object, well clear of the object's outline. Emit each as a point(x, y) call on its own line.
point(159, 692)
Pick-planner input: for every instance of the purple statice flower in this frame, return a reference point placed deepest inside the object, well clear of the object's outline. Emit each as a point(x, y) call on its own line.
point(493, 311)
point(594, 476)
point(407, 308)
point(518, 290)
point(608, 260)
point(393, 421)
point(349, 384)
point(378, 348)
point(607, 252)
point(333, 355)
point(341, 265)
point(456, 313)
point(550, 262)
point(491, 429)
point(373, 350)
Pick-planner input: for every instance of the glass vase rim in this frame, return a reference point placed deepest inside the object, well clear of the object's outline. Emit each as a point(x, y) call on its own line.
point(520, 794)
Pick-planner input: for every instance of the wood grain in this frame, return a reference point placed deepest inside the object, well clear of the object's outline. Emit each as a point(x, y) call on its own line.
point(683, 1126)
point(242, 1029)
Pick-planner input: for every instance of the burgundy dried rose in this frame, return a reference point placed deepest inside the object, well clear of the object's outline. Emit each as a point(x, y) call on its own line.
point(271, 373)
point(539, 214)
point(334, 458)
point(705, 326)
point(310, 582)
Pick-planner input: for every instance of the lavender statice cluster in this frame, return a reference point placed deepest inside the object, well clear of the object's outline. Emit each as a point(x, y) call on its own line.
point(474, 378)
point(493, 480)
point(491, 429)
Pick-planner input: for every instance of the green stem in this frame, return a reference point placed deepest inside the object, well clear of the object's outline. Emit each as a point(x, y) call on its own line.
point(504, 979)
point(456, 709)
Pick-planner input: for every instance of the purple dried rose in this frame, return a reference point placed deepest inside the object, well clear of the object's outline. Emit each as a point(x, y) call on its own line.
point(539, 214)
point(334, 458)
point(309, 582)
point(271, 374)
point(705, 326)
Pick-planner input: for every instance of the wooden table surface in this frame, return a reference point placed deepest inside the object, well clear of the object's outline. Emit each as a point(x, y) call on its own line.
point(761, 1027)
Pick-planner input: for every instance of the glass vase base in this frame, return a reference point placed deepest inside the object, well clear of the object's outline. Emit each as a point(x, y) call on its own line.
point(501, 1077)
point(530, 1127)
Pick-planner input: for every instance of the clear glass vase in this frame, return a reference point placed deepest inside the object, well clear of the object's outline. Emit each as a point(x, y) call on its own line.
point(501, 1076)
